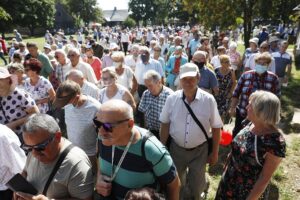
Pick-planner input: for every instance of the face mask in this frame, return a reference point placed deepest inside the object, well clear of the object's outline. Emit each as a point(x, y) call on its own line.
point(177, 56)
point(144, 58)
point(199, 64)
point(117, 64)
point(260, 69)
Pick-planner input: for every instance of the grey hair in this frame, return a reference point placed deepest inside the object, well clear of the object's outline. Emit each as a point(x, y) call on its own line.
point(136, 46)
point(75, 72)
point(203, 53)
point(152, 75)
point(144, 48)
point(74, 50)
point(37, 122)
point(266, 107)
point(118, 104)
point(61, 52)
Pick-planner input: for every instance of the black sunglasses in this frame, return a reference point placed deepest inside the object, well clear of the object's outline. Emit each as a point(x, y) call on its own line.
point(108, 127)
point(38, 147)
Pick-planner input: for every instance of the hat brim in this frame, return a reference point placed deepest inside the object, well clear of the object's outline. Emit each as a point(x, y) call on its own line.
point(188, 74)
point(60, 102)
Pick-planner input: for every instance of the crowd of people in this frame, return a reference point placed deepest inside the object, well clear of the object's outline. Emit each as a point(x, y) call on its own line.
point(137, 114)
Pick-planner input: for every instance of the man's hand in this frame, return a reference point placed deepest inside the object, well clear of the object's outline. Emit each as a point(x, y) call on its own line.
point(26, 196)
point(212, 158)
point(103, 187)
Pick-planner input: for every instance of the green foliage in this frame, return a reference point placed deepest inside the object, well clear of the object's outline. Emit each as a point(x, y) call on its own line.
point(4, 15)
point(129, 22)
point(84, 9)
point(30, 13)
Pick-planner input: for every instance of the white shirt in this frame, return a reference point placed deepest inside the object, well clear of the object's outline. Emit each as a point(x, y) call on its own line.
point(124, 37)
point(141, 69)
point(126, 77)
point(12, 157)
point(215, 61)
point(131, 61)
point(87, 71)
point(183, 129)
point(90, 89)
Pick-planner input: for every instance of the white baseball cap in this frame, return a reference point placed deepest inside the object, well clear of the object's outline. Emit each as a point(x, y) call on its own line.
point(188, 70)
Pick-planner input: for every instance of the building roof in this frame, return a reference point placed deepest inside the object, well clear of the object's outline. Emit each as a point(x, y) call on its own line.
point(115, 15)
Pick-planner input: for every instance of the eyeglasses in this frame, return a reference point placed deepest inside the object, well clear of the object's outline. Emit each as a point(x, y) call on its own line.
point(71, 55)
point(38, 147)
point(108, 127)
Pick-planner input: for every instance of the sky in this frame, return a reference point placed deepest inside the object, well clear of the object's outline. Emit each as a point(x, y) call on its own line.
point(110, 4)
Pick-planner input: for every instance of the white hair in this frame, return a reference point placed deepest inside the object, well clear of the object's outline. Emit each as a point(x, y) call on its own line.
point(38, 122)
point(61, 52)
point(152, 75)
point(75, 72)
point(74, 50)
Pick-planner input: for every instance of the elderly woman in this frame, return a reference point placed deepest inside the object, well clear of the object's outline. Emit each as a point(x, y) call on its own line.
point(235, 57)
point(15, 104)
point(18, 70)
point(227, 82)
point(257, 151)
point(125, 75)
point(112, 90)
point(249, 82)
point(156, 55)
point(39, 87)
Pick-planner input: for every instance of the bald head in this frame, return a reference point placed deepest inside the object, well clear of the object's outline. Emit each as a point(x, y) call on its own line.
point(119, 108)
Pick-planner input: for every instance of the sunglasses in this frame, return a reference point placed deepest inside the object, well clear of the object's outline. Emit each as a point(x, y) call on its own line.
point(38, 147)
point(108, 127)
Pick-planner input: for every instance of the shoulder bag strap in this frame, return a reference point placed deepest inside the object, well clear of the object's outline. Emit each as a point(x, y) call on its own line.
point(194, 116)
point(56, 167)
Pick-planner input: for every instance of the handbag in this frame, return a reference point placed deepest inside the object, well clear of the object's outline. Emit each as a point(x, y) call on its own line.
point(208, 139)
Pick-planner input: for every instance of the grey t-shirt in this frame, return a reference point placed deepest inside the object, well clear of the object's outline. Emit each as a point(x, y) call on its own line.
point(73, 179)
point(80, 128)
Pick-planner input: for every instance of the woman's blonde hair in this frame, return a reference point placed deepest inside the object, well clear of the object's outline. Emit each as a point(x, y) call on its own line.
point(266, 107)
point(224, 58)
point(264, 56)
point(111, 71)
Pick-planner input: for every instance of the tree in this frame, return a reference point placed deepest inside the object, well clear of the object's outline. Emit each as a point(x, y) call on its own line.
point(30, 13)
point(5, 21)
point(129, 22)
point(84, 9)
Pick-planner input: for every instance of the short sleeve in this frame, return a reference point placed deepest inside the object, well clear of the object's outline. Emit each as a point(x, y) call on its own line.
point(275, 144)
point(215, 119)
point(81, 181)
point(165, 115)
point(143, 104)
point(163, 166)
point(26, 100)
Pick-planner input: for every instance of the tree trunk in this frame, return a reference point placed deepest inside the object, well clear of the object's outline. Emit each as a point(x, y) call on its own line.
point(31, 29)
point(248, 6)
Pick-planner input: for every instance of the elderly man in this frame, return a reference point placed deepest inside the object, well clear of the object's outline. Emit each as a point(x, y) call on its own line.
point(77, 63)
point(190, 139)
point(63, 66)
point(146, 64)
point(208, 81)
point(12, 159)
point(153, 100)
point(132, 59)
point(173, 66)
point(45, 144)
point(47, 68)
point(283, 63)
point(87, 88)
point(79, 113)
point(129, 158)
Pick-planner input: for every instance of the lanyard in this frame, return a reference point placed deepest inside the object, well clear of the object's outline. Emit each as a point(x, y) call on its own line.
point(114, 172)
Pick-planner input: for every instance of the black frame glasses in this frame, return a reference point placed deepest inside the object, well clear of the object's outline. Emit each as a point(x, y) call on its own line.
point(108, 127)
point(38, 147)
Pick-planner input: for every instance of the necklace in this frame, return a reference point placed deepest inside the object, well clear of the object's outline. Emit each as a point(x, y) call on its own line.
point(114, 172)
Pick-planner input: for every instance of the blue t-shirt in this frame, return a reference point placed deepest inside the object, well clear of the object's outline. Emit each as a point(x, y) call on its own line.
point(208, 79)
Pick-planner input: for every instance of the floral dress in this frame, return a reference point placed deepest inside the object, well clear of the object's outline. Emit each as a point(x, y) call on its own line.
point(242, 169)
point(39, 91)
point(225, 84)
